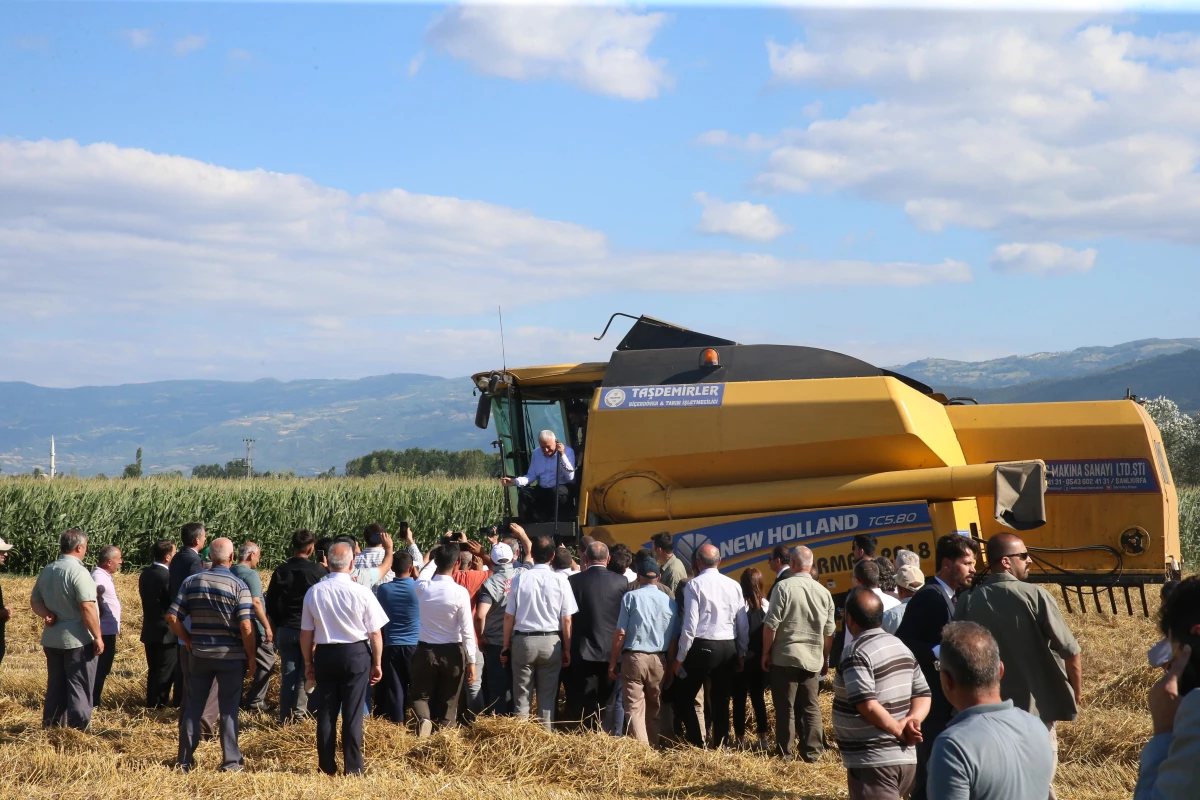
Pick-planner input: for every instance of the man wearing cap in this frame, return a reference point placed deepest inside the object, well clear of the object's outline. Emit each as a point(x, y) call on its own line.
point(490, 602)
point(909, 581)
point(5, 611)
point(797, 637)
point(645, 640)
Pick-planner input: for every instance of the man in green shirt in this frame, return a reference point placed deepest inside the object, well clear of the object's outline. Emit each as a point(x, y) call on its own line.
point(674, 572)
point(797, 636)
point(64, 596)
point(1042, 670)
point(264, 655)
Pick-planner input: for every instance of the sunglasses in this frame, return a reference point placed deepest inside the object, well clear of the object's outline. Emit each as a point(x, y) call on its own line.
point(1023, 556)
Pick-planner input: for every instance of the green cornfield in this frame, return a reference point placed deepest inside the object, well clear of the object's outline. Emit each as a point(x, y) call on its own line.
point(133, 514)
point(1189, 526)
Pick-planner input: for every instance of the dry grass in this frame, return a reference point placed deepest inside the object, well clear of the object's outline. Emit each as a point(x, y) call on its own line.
point(129, 751)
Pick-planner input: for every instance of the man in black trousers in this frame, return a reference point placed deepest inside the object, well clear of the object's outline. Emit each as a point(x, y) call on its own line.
point(338, 620)
point(598, 593)
point(927, 613)
point(185, 564)
point(161, 655)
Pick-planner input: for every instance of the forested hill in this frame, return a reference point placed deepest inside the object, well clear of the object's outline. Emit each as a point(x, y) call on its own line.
point(307, 426)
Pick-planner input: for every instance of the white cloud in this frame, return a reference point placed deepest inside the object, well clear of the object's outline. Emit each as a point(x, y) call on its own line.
point(33, 43)
point(722, 138)
point(599, 48)
point(1042, 258)
point(414, 66)
point(1039, 127)
point(190, 44)
point(139, 37)
point(240, 56)
point(138, 263)
point(745, 220)
point(122, 230)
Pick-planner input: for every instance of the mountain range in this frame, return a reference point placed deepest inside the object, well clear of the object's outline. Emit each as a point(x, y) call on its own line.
point(311, 425)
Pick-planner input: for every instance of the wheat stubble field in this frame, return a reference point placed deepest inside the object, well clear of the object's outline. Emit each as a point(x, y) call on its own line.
point(129, 752)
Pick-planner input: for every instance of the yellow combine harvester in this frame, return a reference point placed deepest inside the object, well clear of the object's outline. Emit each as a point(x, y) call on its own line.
point(751, 446)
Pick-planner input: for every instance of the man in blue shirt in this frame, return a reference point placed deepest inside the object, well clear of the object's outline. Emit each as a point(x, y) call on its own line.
point(991, 750)
point(552, 466)
point(399, 599)
point(645, 641)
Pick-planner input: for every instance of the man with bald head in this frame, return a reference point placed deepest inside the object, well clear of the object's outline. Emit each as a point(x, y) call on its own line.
point(220, 642)
point(1043, 674)
point(341, 641)
point(712, 645)
point(598, 592)
point(797, 636)
point(880, 699)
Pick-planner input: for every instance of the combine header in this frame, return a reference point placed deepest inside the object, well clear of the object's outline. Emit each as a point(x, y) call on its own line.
point(751, 446)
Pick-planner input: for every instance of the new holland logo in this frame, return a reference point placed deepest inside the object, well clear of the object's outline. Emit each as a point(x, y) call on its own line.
point(613, 398)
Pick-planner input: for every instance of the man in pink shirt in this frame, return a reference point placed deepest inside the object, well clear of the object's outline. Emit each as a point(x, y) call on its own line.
point(108, 563)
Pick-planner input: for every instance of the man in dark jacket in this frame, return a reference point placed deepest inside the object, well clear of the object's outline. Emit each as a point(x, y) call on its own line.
point(927, 613)
point(161, 657)
point(186, 563)
point(285, 602)
point(598, 593)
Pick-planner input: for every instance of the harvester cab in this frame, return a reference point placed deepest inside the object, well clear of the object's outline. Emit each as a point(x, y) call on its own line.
point(748, 447)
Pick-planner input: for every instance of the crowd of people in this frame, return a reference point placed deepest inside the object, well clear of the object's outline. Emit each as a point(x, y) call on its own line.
point(944, 686)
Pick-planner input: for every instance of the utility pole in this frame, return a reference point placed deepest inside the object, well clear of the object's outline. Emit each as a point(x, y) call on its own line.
point(249, 457)
point(51, 458)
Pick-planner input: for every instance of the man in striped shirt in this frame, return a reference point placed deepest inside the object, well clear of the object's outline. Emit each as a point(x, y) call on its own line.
point(880, 698)
point(221, 643)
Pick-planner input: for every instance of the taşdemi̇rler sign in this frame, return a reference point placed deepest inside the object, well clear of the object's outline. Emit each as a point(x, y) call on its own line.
point(691, 395)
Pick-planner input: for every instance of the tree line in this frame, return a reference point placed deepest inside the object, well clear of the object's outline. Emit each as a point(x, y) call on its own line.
point(434, 463)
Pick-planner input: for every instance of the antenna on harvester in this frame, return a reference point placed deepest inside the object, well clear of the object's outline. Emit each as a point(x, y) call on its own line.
point(503, 357)
point(249, 457)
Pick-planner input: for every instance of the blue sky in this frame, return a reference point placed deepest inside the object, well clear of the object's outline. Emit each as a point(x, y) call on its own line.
point(246, 191)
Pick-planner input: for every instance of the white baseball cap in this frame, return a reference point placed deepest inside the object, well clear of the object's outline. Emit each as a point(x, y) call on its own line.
point(501, 553)
point(910, 577)
point(5, 546)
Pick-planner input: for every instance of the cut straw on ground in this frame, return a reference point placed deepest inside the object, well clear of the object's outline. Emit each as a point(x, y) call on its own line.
point(129, 752)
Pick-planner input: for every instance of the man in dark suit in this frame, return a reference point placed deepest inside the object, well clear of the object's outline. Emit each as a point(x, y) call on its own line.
point(927, 613)
point(185, 564)
point(161, 658)
point(780, 564)
point(598, 593)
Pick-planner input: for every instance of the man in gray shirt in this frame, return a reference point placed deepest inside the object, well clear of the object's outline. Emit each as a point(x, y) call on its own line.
point(991, 750)
point(64, 596)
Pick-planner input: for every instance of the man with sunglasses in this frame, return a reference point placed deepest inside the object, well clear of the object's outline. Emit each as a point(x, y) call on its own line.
point(1043, 674)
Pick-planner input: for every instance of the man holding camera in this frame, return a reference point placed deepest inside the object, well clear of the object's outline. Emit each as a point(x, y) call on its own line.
point(1170, 762)
point(552, 467)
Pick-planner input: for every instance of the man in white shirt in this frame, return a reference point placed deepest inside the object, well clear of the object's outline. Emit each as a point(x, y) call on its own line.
point(712, 645)
point(108, 563)
point(446, 644)
point(552, 466)
point(537, 632)
point(338, 618)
